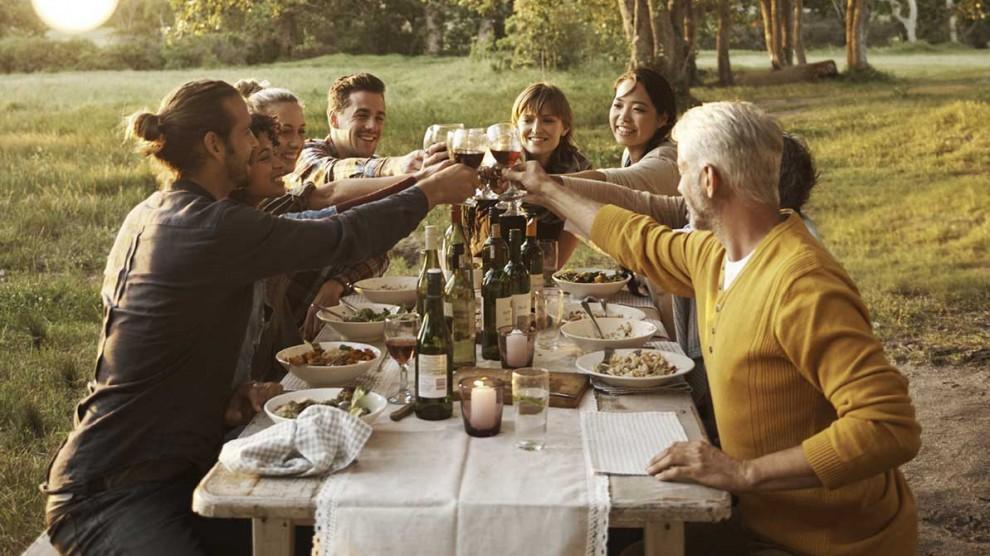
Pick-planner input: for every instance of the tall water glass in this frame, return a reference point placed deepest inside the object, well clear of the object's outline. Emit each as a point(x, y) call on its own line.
point(548, 304)
point(549, 247)
point(531, 400)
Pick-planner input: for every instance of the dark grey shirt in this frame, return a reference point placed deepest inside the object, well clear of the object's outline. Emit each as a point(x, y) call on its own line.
point(177, 294)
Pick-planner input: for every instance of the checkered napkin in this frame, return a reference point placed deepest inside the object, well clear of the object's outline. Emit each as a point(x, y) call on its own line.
point(320, 440)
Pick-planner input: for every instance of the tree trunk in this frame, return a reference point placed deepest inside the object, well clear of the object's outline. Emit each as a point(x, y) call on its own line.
point(786, 41)
point(655, 32)
point(644, 45)
point(434, 29)
point(910, 23)
point(856, 35)
point(722, 43)
point(691, 40)
point(797, 18)
point(950, 5)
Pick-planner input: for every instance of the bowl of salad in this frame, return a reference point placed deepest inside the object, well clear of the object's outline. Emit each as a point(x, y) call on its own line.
point(365, 322)
point(366, 406)
point(329, 363)
point(595, 282)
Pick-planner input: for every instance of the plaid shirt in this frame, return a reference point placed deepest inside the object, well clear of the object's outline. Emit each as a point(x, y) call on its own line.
point(320, 163)
point(303, 286)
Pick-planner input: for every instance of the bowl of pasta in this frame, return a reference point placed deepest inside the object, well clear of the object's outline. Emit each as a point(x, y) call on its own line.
point(637, 368)
point(329, 363)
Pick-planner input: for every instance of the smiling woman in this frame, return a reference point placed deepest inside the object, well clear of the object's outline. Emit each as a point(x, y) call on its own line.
point(74, 16)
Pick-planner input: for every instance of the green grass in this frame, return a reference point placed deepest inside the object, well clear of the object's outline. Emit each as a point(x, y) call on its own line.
point(903, 203)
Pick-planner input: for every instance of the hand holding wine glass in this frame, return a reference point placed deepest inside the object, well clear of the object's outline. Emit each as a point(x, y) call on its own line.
point(506, 149)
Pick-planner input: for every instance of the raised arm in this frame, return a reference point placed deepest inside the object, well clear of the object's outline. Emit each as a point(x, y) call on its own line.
point(665, 209)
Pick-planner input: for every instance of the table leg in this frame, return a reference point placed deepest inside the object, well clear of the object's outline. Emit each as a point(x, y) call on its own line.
point(272, 537)
point(664, 538)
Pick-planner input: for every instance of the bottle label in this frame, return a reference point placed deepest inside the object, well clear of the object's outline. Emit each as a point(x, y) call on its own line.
point(503, 312)
point(535, 282)
point(448, 309)
point(520, 305)
point(463, 332)
point(432, 376)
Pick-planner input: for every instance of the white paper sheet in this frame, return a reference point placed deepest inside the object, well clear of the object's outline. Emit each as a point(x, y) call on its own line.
point(623, 443)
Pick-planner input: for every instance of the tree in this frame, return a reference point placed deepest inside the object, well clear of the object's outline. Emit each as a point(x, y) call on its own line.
point(655, 32)
point(909, 21)
point(953, 21)
point(782, 31)
point(722, 43)
point(857, 16)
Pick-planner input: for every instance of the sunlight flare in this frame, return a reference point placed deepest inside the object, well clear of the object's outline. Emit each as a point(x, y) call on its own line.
point(74, 16)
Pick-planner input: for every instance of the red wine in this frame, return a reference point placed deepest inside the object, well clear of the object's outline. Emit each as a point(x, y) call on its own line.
point(506, 158)
point(401, 349)
point(469, 158)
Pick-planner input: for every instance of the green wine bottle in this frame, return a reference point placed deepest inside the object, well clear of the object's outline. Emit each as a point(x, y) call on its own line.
point(532, 255)
point(434, 356)
point(496, 305)
point(458, 308)
point(494, 240)
point(452, 237)
point(518, 277)
point(431, 259)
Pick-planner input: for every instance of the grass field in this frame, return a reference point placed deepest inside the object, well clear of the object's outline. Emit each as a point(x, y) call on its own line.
point(903, 203)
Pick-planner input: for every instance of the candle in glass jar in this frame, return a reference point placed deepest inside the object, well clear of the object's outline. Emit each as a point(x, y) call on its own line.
point(484, 408)
point(516, 349)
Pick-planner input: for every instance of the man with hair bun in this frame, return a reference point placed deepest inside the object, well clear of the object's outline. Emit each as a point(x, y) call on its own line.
point(813, 419)
point(176, 294)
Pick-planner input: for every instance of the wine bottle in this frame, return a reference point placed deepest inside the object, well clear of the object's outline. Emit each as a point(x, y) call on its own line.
point(494, 240)
point(496, 305)
point(458, 308)
point(431, 259)
point(512, 219)
point(453, 236)
point(532, 255)
point(434, 356)
point(518, 277)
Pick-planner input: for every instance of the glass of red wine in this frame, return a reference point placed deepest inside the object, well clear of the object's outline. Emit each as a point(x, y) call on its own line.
point(467, 146)
point(506, 149)
point(400, 340)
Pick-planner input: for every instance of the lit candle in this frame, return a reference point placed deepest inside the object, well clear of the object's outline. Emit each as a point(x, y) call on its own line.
point(483, 407)
point(516, 351)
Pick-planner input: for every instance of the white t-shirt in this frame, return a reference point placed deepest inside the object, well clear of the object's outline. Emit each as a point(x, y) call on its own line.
point(733, 268)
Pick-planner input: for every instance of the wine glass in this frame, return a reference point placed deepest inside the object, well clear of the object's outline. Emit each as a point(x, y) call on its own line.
point(467, 146)
point(506, 149)
point(400, 340)
point(437, 133)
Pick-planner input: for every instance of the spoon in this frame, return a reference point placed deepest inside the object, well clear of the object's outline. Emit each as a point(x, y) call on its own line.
point(587, 309)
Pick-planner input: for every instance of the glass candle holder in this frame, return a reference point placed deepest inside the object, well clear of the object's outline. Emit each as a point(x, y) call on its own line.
point(481, 405)
point(516, 346)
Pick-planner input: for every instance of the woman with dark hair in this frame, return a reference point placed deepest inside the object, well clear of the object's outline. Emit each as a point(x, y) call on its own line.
point(643, 112)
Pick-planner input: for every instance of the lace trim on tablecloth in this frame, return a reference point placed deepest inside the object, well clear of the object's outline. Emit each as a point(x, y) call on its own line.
point(325, 527)
point(599, 500)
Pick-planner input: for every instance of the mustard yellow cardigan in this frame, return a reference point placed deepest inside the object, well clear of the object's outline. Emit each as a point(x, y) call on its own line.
point(792, 360)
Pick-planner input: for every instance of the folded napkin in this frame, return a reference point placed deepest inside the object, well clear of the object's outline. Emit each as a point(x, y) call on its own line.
point(320, 440)
point(622, 443)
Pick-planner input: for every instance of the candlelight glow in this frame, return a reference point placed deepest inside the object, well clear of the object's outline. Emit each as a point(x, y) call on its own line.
point(74, 16)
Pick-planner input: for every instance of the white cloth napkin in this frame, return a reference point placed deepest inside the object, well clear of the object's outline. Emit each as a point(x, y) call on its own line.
point(321, 439)
point(623, 443)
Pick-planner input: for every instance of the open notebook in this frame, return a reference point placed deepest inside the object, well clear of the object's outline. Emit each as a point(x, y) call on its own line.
point(623, 443)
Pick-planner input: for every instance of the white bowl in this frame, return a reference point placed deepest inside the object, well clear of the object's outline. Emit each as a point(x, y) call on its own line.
point(359, 331)
point(393, 290)
point(574, 312)
point(327, 375)
point(374, 402)
point(587, 364)
point(580, 290)
point(582, 333)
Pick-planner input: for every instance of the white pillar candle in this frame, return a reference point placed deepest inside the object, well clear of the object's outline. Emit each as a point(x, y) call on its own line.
point(516, 352)
point(484, 411)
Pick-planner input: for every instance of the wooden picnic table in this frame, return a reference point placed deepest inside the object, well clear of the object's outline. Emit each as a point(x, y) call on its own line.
point(276, 504)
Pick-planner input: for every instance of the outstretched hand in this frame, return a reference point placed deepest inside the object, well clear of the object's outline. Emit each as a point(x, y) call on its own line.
point(249, 398)
point(534, 179)
point(700, 462)
point(453, 184)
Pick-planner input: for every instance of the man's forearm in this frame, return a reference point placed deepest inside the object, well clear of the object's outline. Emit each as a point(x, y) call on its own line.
point(343, 191)
point(577, 210)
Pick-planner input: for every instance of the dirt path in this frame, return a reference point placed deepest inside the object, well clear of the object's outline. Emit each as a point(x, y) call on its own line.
point(951, 475)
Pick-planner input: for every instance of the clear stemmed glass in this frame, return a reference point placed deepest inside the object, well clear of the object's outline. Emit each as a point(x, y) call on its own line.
point(400, 339)
point(506, 149)
point(467, 146)
point(437, 133)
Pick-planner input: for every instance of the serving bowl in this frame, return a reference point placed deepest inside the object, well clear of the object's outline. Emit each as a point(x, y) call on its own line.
point(587, 363)
point(582, 333)
point(358, 331)
point(391, 290)
point(327, 375)
point(372, 401)
point(581, 290)
point(574, 312)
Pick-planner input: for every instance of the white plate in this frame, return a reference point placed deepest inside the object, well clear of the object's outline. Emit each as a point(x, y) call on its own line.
point(359, 331)
point(582, 333)
point(580, 290)
point(325, 375)
point(587, 363)
point(374, 402)
point(392, 290)
point(615, 310)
